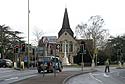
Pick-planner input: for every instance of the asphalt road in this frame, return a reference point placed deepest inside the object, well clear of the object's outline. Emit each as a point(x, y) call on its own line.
point(50, 78)
point(116, 76)
point(9, 75)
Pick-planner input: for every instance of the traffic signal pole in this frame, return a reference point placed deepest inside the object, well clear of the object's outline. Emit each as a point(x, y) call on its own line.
point(82, 64)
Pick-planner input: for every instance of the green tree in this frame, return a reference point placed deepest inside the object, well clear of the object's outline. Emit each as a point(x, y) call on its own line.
point(8, 39)
point(118, 48)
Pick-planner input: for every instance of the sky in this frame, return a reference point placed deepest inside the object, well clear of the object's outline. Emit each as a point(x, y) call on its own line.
point(47, 15)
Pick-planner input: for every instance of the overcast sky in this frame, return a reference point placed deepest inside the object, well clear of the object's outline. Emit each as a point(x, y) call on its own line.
point(47, 15)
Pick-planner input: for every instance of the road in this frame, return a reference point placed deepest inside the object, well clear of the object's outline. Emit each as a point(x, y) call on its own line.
point(9, 75)
point(116, 76)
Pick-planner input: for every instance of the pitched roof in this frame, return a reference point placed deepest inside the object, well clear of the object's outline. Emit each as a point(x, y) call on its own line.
point(50, 39)
point(65, 25)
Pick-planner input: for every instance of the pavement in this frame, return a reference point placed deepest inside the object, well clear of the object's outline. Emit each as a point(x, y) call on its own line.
point(59, 78)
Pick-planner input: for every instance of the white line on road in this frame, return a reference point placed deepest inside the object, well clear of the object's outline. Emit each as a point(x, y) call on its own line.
point(13, 78)
point(106, 75)
point(95, 78)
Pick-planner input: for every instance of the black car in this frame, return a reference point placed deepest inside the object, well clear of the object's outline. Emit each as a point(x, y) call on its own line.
point(6, 63)
point(49, 63)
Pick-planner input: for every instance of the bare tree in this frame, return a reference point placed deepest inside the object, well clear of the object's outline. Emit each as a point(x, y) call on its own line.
point(38, 34)
point(93, 29)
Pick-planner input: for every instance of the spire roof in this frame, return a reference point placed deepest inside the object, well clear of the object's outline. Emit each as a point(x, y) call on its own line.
point(65, 25)
point(65, 20)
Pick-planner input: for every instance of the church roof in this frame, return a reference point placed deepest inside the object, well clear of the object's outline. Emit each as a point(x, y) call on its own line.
point(65, 25)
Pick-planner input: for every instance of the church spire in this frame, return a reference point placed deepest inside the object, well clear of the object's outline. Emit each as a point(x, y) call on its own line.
point(65, 20)
point(65, 25)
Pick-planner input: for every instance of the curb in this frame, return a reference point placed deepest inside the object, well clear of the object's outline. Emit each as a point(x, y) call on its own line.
point(83, 72)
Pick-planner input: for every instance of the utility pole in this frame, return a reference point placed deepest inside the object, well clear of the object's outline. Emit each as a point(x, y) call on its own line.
point(28, 34)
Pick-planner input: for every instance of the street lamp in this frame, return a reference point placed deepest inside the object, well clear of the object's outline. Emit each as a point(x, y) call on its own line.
point(28, 34)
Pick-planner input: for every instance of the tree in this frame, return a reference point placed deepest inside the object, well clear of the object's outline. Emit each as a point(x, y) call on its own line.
point(93, 29)
point(37, 35)
point(8, 39)
point(118, 48)
point(4, 38)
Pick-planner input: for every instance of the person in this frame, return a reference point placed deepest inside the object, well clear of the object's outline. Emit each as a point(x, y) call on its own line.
point(107, 66)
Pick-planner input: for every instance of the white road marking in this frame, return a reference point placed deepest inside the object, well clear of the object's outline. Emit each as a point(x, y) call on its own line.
point(105, 75)
point(95, 78)
point(13, 78)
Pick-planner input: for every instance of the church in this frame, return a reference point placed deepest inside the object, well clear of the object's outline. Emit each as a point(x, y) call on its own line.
point(67, 46)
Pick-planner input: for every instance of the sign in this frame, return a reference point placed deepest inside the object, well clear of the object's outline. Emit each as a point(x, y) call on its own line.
point(26, 59)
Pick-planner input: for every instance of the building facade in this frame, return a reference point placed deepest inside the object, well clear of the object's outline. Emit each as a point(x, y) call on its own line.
point(66, 44)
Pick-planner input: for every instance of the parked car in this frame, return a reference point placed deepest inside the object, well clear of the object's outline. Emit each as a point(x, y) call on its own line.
point(49, 63)
point(6, 63)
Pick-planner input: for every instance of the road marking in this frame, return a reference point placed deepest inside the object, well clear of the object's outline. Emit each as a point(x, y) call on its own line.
point(122, 76)
point(13, 78)
point(105, 75)
point(91, 75)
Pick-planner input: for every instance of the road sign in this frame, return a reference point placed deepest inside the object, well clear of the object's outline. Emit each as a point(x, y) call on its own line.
point(26, 59)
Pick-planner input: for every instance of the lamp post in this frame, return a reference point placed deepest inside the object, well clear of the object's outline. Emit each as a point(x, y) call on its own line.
point(28, 34)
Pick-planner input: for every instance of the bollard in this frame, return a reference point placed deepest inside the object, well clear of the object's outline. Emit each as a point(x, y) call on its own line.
point(120, 65)
point(22, 64)
point(15, 65)
point(93, 64)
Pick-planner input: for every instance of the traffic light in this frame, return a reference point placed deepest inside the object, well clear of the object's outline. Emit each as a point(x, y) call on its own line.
point(23, 47)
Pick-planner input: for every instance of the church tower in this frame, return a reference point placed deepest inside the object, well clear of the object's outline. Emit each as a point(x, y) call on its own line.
point(65, 25)
point(66, 41)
